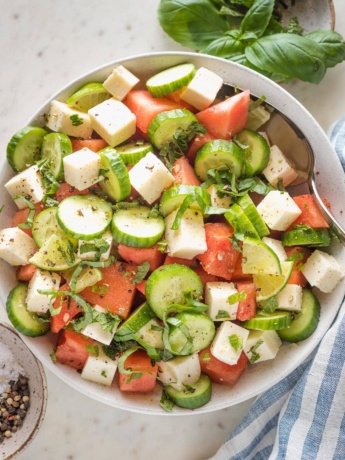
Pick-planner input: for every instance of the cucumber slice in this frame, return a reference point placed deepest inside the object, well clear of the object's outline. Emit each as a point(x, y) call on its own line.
point(133, 152)
point(196, 395)
point(259, 258)
point(55, 147)
point(170, 80)
point(55, 254)
point(141, 316)
point(45, 224)
point(316, 237)
point(24, 148)
point(275, 321)
point(201, 330)
point(257, 151)
point(134, 227)
point(173, 197)
point(88, 96)
point(240, 222)
point(25, 322)
point(305, 322)
point(84, 216)
point(219, 154)
point(163, 127)
point(249, 208)
point(116, 183)
point(166, 286)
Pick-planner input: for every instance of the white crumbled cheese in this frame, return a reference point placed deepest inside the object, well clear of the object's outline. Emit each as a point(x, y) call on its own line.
point(216, 297)
point(290, 298)
point(82, 168)
point(90, 255)
point(276, 246)
point(113, 121)
point(228, 343)
point(202, 90)
point(279, 168)
point(189, 239)
point(262, 345)
point(96, 332)
point(150, 177)
point(10, 369)
point(27, 183)
point(120, 82)
point(323, 271)
point(151, 336)
point(42, 280)
point(216, 201)
point(16, 247)
point(177, 372)
point(278, 210)
point(99, 369)
point(64, 119)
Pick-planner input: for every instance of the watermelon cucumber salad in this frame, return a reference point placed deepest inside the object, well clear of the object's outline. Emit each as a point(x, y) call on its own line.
point(156, 239)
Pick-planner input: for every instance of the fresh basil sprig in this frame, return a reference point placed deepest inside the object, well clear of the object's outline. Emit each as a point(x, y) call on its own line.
point(249, 32)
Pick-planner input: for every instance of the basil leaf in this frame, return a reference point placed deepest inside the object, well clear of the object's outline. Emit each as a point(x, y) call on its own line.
point(257, 18)
point(192, 23)
point(142, 271)
point(289, 55)
point(224, 47)
point(332, 44)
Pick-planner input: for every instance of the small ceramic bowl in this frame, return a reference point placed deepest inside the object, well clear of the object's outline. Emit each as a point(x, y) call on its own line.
point(13, 446)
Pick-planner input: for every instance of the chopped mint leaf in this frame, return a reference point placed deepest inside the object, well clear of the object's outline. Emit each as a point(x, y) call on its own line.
point(236, 342)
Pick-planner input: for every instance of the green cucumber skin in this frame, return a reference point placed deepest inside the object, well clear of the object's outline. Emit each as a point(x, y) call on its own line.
point(56, 155)
point(240, 221)
point(315, 237)
point(269, 322)
point(133, 152)
point(189, 400)
point(116, 184)
point(201, 328)
point(259, 155)
point(160, 300)
point(19, 155)
point(218, 154)
point(305, 322)
point(249, 208)
point(173, 197)
point(160, 90)
point(136, 321)
point(24, 321)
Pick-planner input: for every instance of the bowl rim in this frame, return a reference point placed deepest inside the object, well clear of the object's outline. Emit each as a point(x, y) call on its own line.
point(259, 81)
point(43, 396)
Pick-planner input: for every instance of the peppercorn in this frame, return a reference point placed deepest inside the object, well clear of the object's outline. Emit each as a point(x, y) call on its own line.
point(14, 403)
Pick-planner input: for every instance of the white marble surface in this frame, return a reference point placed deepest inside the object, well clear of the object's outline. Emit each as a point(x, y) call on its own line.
point(45, 44)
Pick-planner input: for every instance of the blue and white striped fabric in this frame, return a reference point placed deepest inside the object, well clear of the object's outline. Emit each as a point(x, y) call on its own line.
point(303, 416)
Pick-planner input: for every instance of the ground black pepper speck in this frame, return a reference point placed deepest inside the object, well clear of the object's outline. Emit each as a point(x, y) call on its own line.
point(14, 403)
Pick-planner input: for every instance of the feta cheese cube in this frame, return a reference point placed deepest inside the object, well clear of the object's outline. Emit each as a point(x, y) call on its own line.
point(42, 280)
point(87, 245)
point(290, 298)
point(82, 168)
point(96, 332)
point(279, 168)
point(64, 119)
point(216, 201)
point(151, 336)
point(216, 297)
point(120, 82)
point(323, 271)
point(177, 372)
point(99, 369)
point(113, 121)
point(150, 177)
point(16, 247)
point(262, 345)
point(27, 183)
point(189, 239)
point(202, 90)
point(278, 210)
point(276, 246)
point(229, 341)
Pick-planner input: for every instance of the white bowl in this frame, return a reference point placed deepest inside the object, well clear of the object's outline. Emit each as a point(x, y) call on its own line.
point(20, 440)
point(330, 180)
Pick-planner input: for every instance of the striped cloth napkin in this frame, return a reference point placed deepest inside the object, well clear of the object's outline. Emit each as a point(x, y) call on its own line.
point(303, 416)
